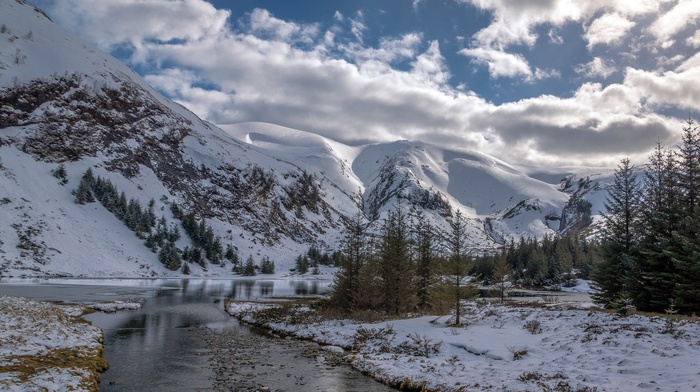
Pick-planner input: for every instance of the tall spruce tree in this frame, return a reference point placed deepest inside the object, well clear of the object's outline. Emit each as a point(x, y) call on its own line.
point(84, 192)
point(612, 274)
point(396, 263)
point(354, 257)
point(684, 249)
point(654, 280)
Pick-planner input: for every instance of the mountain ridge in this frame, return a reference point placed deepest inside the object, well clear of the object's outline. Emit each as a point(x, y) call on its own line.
point(264, 189)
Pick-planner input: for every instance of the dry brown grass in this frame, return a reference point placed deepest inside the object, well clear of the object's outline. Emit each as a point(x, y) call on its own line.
point(35, 332)
point(81, 358)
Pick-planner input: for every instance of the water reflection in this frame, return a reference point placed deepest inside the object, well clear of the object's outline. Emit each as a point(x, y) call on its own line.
point(160, 347)
point(88, 290)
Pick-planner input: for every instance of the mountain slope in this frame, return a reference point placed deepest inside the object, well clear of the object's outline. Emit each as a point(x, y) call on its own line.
point(264, 190)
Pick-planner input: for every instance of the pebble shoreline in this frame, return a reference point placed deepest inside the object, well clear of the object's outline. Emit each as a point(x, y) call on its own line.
point(288, 364)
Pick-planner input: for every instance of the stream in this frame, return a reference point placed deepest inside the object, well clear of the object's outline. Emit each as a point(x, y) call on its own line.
point(183, 340)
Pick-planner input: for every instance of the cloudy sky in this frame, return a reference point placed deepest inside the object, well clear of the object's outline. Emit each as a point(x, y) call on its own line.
point(546, 82)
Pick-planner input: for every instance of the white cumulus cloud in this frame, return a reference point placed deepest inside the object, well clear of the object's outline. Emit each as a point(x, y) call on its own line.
point(607, 29)
point(597, 67)
point(499, 63)
point(259, 67)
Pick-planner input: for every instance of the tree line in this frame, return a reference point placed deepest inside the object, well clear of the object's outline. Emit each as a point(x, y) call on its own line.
point(411, 265)
point(650, 248)
point(408, 266)
point(552, 261)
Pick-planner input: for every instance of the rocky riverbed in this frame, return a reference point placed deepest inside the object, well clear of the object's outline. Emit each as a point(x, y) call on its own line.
point(249, 361)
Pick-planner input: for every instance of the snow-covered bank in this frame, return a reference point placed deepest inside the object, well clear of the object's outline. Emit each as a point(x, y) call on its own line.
point(514, 348)
point(44, 346)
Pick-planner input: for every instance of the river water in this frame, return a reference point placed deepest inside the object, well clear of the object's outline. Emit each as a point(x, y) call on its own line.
point(183, 340)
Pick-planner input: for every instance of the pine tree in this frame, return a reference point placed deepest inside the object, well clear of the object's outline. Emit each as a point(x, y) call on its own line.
point(84, 192)
point(267, 266)
point(396, 264)
point(684, 249)
point(169, 256)
point(61, 173)
point(231, 255)
point(654, 282)
point(121, 207)
point(613, 273)
point(425, 260)
point(562, 264)
point(537, 266)
point(249, 267)
point(302, 264)
point(353, 258)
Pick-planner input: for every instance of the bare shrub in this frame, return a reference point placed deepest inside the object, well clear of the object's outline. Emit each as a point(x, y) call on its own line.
point(420, 346)
point(533, 326)
point(19, 58)
point(517, 352)
point(380, 338)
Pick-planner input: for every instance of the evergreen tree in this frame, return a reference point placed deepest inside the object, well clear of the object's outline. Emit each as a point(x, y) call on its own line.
point(684, 248)
point(346, 288)
point(302, 264)
point(425, 260)
point(537, 268)
point(169, 256)
point(249, 267)
point(654, 282)
point(612, 274)
point(173, 234)
point(84, 192)
point(148, 218)
point(396, 264)
point(121, 207)
point(689, 167)
point(61, 173)
point(176, 211)
point(133, 214)
point(267, 266)
point(562, 264)
point(232, 256)
point(313, 253)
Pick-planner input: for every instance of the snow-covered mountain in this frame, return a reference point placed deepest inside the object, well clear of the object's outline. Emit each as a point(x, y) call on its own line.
point(263, 189)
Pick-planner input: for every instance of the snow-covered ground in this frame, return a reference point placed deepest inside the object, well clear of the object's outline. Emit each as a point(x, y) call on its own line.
point(511, 347)
point(46, 347)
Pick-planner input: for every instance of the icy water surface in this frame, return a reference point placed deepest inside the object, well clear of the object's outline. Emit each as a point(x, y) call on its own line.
point(183, 340)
